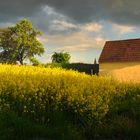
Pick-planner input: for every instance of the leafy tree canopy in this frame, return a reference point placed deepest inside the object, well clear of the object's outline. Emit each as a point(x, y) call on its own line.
point(61, 57)
point(34, 61)
point(19, 42)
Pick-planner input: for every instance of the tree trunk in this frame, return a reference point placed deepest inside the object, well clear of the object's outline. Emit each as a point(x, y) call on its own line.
point(21, 62)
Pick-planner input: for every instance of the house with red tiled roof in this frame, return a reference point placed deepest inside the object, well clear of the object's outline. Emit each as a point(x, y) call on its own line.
point(121, 51)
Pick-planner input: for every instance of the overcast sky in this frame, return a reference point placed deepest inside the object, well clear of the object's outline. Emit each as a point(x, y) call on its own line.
point(79, 27)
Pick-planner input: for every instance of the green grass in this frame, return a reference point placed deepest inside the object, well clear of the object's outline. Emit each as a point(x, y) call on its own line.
point(15, 127)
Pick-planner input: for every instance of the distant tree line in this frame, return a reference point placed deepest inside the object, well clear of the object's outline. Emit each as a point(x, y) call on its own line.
point(61, 57)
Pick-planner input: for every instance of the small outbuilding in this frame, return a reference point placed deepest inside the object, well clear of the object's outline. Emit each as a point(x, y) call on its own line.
point(121, 51)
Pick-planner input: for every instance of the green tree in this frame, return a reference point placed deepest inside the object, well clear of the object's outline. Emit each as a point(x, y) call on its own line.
point(19, 42)
point(60, 57)
point(34, 61)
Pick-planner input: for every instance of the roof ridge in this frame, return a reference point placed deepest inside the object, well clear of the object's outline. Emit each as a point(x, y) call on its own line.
point(123, 40)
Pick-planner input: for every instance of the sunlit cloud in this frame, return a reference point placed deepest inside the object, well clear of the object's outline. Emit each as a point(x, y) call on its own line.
point(92, 27)
point(7, 24)
point(77, 47)
point(49, 10)
point(122, 29)
point(64, 24)
point(76, 59)
point(42, 39)
point(100, 41)
point(79, 41)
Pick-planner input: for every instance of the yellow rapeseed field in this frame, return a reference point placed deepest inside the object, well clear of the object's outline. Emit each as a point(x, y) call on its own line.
point(36, 89)
point(39, 94)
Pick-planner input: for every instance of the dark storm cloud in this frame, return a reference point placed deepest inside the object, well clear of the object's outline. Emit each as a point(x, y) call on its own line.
point(37, 11)
point(80, 11)
point(118, 11)
point(11, 9)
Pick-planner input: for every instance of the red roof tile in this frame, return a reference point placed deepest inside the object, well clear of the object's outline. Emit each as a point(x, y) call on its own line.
point(121, 51)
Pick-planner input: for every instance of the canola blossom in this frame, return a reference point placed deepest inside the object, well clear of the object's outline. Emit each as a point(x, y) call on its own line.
point(35, 92)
